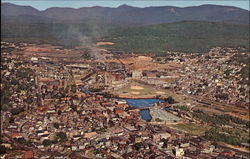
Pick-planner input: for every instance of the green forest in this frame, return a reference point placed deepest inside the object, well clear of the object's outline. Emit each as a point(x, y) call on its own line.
point(187, 36)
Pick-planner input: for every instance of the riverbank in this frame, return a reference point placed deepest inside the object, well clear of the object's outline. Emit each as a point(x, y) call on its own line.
point(160, 115)
point(143, 103)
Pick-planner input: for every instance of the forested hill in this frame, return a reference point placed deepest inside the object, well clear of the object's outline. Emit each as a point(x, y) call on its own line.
point(181, 36)
point(186, 36)
point(124, 14)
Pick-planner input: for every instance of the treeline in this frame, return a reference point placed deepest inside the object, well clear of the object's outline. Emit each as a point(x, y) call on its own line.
point(219, 119)
point(230, 135)
point(234, 138)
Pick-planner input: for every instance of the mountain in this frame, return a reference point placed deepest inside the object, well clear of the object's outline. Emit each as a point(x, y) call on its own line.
point(124, 14)
point(8, 9)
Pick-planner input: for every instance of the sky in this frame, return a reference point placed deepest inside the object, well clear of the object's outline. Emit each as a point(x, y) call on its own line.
point(44, 4)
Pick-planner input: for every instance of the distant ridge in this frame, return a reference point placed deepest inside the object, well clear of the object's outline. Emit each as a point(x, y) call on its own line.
point(124, 14)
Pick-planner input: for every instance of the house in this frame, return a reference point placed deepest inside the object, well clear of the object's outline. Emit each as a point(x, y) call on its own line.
point(117, 76)
point(184, 145)
point(165, 135)
point(137, 74)
point(227, 153)
point(42, 108)
point(28, 155)
point(178, 152)
point(245, 145)
point(16, 136)
point(119, 102)
point(34, 59)
point(6, 145)
point(158, 137)
point(118, 111)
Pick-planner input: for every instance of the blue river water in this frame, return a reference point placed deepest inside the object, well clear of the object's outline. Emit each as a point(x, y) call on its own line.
point(143, 103)
point(139, 103)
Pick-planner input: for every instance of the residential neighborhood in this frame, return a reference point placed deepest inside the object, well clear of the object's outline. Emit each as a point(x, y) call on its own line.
point(53, 107)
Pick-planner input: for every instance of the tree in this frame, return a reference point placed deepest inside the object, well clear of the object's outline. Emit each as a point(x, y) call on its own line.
point(4, 107)
point(5, 96)
point(29, 100)
point(59, 112)
point(158, 120)
point(170, 100)
point(158, 59)
point(62, 136)
point(222, 96)
point(183, 108)
point(21, 73)
point(56, 125)
point(138, 146)
point(73, 107)
point(2, 149)
point(73, 88)
point(13, 82)
point(47, 142)
point(11, 119)
point(16, 111)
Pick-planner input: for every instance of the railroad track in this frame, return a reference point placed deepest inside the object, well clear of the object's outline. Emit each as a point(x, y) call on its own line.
point(226, 108)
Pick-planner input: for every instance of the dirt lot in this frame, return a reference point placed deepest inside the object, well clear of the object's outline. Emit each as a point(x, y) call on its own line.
point(104, 43)
point(53, 53)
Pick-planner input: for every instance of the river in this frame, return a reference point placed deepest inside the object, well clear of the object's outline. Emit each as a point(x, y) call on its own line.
point(139, 103)
point(143, 103)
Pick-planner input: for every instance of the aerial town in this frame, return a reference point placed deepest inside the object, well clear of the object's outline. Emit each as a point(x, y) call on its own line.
point(79, 103)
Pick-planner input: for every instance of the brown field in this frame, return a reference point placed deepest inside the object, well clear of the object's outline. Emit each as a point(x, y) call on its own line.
point(104, 43)
point(41, 48)
point(53, 53)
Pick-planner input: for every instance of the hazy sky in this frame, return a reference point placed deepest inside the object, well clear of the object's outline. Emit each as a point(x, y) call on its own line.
point(43, 4)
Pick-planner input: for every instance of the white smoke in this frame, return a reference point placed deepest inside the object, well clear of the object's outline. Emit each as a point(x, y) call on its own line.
point(87, 42)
